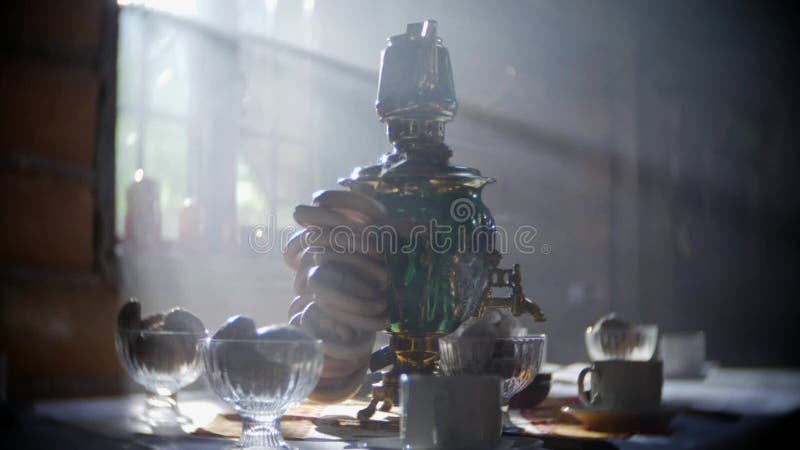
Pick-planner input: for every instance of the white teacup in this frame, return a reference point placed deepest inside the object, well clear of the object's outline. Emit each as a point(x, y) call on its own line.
point(446, 412)
point(622, 385)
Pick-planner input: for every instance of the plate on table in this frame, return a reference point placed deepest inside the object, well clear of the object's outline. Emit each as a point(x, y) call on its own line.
point(506, 443)
point(597, 419)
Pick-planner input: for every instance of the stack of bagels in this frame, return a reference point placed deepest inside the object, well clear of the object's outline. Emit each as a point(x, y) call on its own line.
point(339, 286)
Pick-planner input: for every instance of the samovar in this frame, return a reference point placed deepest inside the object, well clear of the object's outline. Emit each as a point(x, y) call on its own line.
point(443, 274)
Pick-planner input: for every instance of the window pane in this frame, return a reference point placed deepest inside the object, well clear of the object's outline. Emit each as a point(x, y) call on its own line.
point(129, 73)
point(167, 78)
point(251, 205)
point(166, 156)
point(127, 163)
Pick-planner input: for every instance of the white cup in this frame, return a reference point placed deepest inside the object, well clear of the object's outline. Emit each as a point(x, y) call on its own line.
point(621, 385)
point(448, 412)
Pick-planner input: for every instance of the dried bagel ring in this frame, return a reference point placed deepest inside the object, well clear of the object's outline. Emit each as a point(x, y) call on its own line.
point(335, 390)
point(353, 350)
point(321, 217)
point(341, 240)
point(130, 315)
point(299, 303)
point(351, 200)
point(316, 321)
point(367, 267)
point(353, 215)
point(294, 248)
point(333, 298)
point(153, 322)
point(300, 284)
point(329, 275)
point(357, 322)
point(295, 319)
point(334, 367)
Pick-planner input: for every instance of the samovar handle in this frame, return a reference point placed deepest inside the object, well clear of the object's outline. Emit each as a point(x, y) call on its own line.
point(383, 357)
point(516, 301)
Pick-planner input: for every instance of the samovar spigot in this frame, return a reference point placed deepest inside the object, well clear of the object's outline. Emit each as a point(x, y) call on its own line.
point(516, 301)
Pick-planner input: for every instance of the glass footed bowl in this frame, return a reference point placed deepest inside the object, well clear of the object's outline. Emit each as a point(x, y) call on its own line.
point(163, 362)
point(261, 379)
point(631, 342)
point(516, 360)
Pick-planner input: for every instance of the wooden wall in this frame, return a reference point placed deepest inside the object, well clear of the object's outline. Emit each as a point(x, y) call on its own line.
point(57, 301)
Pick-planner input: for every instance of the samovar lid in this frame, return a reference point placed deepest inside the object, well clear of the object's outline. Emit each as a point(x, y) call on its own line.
point(416, 79)
point(416, 98)
point(395, 170)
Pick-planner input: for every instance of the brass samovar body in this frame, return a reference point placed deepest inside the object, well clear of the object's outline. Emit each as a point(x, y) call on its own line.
point(441, 254)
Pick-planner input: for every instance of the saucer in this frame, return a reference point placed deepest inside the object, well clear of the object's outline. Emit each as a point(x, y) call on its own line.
point(506, 443)
point(597, 419)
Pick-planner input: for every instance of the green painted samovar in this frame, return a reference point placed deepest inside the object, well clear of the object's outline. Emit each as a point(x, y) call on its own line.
point(444, 265)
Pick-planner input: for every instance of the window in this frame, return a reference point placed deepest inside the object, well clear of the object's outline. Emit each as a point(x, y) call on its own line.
point(236, 127)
